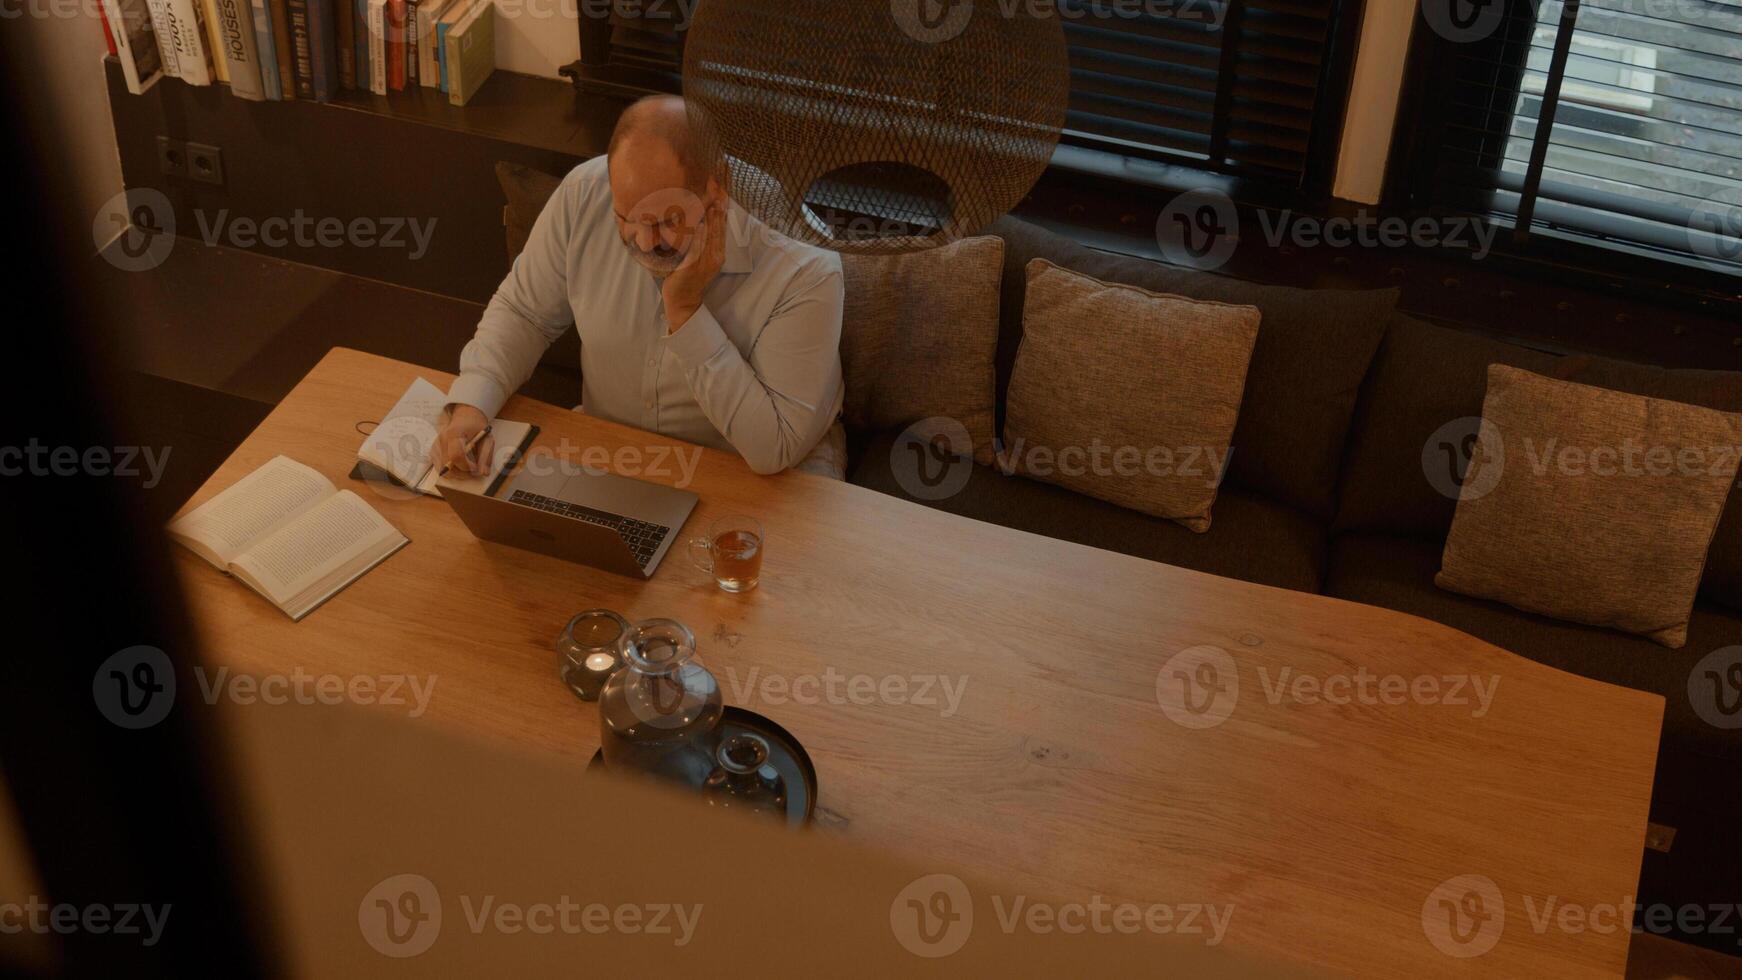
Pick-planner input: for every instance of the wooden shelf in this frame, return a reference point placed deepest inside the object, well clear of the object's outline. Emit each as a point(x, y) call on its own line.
point(529, 110)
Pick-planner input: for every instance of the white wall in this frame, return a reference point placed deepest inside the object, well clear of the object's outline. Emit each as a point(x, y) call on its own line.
point(536, 37)
point(1373, 99)
point(72, 99)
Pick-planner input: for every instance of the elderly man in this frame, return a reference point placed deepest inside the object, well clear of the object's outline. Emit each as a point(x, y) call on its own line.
point(696, 320)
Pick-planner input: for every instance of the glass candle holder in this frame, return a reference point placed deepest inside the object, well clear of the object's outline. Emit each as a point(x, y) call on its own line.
point(587, 652)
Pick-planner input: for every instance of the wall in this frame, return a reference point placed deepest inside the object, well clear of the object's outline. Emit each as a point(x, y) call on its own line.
point(536, 37)
point(70, 97)
point(1373, 96)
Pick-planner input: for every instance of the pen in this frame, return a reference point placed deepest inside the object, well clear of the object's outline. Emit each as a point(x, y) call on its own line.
point(471, 445)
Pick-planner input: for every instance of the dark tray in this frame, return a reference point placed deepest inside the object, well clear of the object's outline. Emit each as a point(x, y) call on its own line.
point(784, 753)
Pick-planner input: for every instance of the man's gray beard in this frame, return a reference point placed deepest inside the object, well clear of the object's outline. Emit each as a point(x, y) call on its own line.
point(655, 266)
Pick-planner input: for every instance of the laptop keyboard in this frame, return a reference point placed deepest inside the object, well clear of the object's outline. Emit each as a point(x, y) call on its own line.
point(642, 537)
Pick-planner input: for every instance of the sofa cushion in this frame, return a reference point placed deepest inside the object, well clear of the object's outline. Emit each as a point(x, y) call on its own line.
point(1143, 387)
point(1398, 573)
point(918, 336)
point(1721, 390)
point(1253, 538)
point(1419, 411)
point(1313, 349)
point(1557, 518)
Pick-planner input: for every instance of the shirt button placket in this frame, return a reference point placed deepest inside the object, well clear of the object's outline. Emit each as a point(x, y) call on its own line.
point(650, 385)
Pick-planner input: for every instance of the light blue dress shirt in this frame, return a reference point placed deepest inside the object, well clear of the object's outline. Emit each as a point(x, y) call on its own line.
point(756, 369)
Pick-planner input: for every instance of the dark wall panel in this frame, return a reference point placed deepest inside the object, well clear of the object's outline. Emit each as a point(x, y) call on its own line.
point(382, 162)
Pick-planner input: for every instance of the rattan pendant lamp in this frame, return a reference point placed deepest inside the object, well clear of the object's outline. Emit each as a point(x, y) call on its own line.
point(879, 126)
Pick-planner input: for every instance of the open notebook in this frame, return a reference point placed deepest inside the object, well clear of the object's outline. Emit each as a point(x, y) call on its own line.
point(288, 533)
point(400, 445)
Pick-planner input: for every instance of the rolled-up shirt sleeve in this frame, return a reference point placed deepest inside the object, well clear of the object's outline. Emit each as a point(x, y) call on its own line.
point(776, 402)
point(529, 312)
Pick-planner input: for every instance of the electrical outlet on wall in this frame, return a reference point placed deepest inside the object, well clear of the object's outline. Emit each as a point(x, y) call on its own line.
point(172, 157)
point(205, 163)
point(196, 161)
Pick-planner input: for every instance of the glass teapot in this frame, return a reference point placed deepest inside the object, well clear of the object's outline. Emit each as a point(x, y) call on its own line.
point(660, 714)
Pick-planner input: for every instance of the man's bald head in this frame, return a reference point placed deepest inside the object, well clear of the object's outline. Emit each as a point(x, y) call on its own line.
point(666, 176)
point(659, 125)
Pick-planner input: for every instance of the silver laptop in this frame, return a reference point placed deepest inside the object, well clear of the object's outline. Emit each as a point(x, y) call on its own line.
point(580, 515)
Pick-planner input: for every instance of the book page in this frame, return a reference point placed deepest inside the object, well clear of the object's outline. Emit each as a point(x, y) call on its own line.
point(401, 443)
point(296, 556)
point(254, 507)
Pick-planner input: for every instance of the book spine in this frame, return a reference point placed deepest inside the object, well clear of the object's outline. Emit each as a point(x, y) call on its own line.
point(441, 54)
point(163, 29)
point(108, 35)
point(474, 54)
point(282, 49)
point(365, 70)
point(301, 55)
point(236, 32)
point(378, 46)
point(345, 39)
point(212, 35)
point(135, 43)
point(323, 56)
point(266, 50)
point(189, 31)
point(412, 33)
point(428, 73)
point(396, 45)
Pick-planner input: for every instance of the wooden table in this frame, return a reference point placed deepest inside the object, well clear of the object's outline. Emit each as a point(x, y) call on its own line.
point(1328, 827)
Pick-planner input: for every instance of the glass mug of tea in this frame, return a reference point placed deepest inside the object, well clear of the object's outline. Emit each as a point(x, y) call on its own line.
point(731, 551)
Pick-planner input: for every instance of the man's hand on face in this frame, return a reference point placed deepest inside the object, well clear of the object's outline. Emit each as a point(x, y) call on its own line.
point(683, 289)
point(463, 423)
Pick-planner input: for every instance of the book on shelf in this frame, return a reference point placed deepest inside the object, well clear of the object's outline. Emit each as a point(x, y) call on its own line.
point(236, 39)
point(365, 70)
point(412, 9)
point(471, 51)
point(323, 50)
point(301, 52)
point(188, 33)
point(283, 49)
point(135, 42)
point(214, 44)
point(451, 16)
point(287, 533)
point(395, 42)
point(378, 46)
point(260, 12)
point(108, 35)
point(344, 32)
point(429, 14)
point(162, 21)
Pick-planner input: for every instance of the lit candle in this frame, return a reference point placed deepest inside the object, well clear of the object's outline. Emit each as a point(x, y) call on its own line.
point(587, 651)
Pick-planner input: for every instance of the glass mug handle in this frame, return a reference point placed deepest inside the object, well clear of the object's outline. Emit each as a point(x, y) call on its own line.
point(702, 554)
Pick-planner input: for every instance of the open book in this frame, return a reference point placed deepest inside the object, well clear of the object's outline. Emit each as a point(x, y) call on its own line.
point(288, 533)
point(400, 445)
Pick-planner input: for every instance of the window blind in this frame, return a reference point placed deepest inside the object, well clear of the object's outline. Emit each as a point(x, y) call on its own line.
point(1617, 120)
point(1231, 85)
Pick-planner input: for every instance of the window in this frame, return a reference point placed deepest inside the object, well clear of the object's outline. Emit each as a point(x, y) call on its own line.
point(1618, 122)
point(1227, 85)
